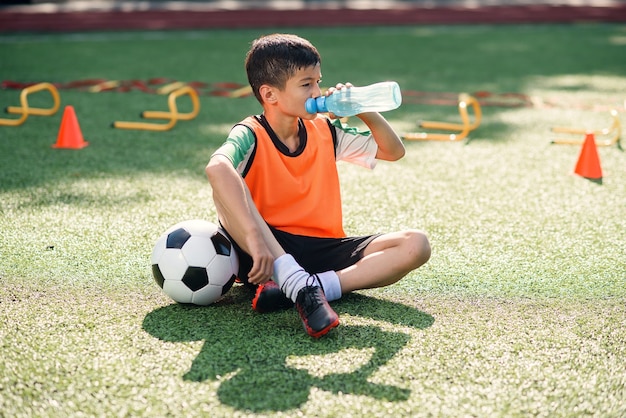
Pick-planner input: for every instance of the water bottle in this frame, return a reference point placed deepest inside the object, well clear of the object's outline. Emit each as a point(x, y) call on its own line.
point(379, 97)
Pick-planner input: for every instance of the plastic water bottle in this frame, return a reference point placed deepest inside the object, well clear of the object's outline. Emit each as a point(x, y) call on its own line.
point(379, 97)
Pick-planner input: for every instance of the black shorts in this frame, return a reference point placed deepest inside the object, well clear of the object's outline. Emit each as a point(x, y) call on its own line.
point(314, 254)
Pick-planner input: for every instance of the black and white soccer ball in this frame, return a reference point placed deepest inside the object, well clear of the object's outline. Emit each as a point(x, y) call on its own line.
point(194, 262)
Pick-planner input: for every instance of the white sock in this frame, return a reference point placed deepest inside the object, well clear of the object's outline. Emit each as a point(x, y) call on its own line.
point(330, 284)
point(289, 275)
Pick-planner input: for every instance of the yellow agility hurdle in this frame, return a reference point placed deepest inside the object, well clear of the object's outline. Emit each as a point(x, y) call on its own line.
point(614, 131)
point(25, 110)
point(173, 115)
point(463, 129)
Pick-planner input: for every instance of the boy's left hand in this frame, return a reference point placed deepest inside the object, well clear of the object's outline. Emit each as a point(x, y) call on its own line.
point(337, 87)
point(331, 90)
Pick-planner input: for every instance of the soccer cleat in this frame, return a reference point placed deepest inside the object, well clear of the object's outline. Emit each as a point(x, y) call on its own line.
point(317, 316)
point(269, 298)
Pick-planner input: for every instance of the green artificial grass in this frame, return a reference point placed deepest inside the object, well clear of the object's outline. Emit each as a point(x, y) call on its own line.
point(520, 311)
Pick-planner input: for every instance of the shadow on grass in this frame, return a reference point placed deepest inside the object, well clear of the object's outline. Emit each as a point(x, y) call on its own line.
point(253, 355)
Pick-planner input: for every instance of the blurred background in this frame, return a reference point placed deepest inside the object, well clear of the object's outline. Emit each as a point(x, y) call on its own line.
point(86, 15)
point(292, 4)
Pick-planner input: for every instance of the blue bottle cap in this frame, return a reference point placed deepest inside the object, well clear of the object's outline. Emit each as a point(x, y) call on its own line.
point(316, 105)
point(310, 105)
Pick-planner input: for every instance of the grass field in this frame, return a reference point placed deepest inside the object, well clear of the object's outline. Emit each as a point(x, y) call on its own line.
point(521, 310)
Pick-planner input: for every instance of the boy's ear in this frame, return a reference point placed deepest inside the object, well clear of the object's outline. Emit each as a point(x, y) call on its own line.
point(267, 94)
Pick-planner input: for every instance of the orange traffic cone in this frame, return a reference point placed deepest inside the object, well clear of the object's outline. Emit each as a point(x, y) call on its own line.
point(588, 165)
point(70, 136)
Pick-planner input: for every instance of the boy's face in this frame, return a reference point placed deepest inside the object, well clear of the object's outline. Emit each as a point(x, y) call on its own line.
point(302, 85)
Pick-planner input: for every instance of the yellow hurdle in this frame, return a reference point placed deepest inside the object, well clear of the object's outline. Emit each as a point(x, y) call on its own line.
point(25, 110)
point(614, 132)
point(463, 128)
point(171, 87)
point(173, 115)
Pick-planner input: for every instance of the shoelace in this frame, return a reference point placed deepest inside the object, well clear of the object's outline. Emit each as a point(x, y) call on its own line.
point(312, 279)
point(312, 299)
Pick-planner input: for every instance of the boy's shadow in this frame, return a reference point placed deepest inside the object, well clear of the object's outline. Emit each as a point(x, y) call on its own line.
point(266, 362)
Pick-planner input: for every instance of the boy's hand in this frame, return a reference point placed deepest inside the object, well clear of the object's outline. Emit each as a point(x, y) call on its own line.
point(262, 263)
point(331, 90)
point(339, 86)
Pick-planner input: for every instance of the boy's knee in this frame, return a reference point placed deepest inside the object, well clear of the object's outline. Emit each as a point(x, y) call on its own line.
point(419, 247)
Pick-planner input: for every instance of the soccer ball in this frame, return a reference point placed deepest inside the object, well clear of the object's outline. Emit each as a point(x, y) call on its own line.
point(194, 262)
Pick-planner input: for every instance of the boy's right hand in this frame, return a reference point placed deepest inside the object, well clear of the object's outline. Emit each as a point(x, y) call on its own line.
point(262, 263)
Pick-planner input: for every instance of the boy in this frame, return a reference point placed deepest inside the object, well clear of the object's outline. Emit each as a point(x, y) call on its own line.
point(276, 191)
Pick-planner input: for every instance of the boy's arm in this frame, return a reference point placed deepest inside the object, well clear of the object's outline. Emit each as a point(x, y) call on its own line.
point(390, 146)
point(240, 217)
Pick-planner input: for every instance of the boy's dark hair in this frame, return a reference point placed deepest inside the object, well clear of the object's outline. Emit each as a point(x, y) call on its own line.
point(273, 59)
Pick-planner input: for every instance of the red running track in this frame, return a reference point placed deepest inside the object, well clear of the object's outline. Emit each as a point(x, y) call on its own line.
point(12, 21)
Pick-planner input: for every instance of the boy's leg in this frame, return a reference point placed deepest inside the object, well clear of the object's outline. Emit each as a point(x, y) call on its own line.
point(346, 264)
point(301, 288)
point(386, 259)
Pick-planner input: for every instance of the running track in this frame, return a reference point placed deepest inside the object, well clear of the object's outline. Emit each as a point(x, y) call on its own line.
point(19, 19)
